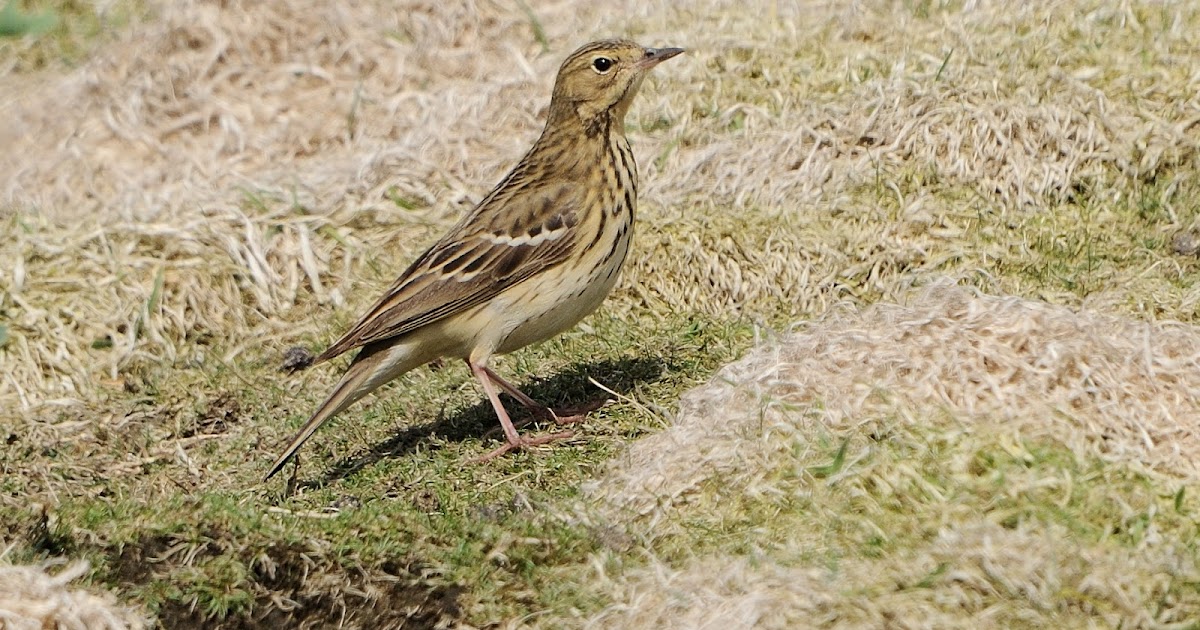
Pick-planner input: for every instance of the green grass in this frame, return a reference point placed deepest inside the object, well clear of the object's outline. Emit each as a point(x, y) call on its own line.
point(388, 483)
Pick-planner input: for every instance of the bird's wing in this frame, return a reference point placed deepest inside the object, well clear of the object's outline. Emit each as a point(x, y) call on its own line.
point(506, 239)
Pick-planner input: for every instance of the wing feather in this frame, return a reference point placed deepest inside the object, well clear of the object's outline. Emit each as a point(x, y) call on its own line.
point(478, 259)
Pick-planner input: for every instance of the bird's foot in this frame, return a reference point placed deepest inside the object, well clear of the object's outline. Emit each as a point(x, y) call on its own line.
point(570, 415)
point(559, 415)
point(523, 442)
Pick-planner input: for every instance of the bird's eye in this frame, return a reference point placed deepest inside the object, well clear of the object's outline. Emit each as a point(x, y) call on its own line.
point(602, 64)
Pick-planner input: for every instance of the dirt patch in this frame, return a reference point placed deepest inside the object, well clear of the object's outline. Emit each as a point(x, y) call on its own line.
point(293, 586)
point(217, 416)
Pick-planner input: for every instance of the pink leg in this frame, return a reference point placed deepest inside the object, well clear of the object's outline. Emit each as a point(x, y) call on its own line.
point(513, 440)
point(561, 416)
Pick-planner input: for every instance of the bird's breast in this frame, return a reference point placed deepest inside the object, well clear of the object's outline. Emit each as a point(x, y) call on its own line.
point(558, 298)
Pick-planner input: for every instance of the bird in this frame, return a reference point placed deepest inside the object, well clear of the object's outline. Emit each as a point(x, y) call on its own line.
point(536, 255)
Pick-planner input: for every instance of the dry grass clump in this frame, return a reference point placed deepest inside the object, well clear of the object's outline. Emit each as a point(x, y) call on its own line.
point(901, 463)
point(1122, 390)
point(33, 599)
point(220, 166)
point(977, 575)
point(319, 105)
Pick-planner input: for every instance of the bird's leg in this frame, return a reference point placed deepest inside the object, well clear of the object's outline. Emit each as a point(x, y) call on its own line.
point(559, 416)
point(512, 390)
point(513, 440)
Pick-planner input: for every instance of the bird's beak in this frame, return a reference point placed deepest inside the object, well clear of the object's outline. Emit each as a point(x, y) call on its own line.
point(655, 56)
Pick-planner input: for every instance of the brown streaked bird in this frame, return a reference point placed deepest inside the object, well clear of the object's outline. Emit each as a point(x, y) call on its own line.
point(538, 253)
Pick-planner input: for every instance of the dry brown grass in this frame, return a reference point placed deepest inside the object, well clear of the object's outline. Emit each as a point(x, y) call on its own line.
point(32, 599)
point(245, 155)
point(1122, 390)
point(951, 363)
point(1030, 577)
point(228, 179)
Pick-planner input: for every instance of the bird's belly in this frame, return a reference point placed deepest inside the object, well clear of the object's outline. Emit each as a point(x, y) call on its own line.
point(547, 308)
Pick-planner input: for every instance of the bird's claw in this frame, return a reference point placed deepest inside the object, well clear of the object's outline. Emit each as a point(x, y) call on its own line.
point(522, 442)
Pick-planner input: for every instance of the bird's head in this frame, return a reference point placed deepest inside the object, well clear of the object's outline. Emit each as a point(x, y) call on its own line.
point(601, 78)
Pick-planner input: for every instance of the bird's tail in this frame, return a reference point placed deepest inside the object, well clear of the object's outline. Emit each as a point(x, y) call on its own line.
point(373, 367)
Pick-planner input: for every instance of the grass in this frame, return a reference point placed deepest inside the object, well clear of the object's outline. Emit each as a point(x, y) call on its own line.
point(785, 180)
point(170, 512)
point(187, 529)
point(40, 34)
point(370, 492)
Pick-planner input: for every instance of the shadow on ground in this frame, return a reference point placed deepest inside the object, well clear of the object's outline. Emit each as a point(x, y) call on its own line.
point(567, 389)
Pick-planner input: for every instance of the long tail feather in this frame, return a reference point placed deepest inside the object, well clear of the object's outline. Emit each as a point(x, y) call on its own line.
point(370, 369)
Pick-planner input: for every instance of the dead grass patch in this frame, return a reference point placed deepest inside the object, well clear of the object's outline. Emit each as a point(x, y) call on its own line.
point(223, 165)
point(976, 573)
point(1116, 388)
point(33, 598)
point(852, 473)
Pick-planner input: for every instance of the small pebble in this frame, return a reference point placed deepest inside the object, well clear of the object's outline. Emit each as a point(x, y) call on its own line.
point(296, 358)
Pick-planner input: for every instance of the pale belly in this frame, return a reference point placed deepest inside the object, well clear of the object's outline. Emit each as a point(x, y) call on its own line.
point(541, 310)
